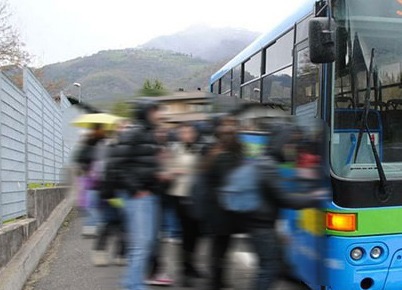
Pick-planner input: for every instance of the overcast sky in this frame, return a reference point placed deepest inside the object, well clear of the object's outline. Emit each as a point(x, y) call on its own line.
point(58, 30)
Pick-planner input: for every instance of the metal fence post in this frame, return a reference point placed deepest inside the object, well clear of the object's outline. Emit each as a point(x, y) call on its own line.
point(24, 89)
point(54, 146)
point(43, 137)
point(1, 127)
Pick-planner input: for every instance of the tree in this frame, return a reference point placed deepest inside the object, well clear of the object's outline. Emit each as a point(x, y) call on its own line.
point(54, 87)
point(122, 109)
point(153, 89)
point(12, 50)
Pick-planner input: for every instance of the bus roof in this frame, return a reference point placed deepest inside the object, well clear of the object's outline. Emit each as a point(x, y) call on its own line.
point(263, 40)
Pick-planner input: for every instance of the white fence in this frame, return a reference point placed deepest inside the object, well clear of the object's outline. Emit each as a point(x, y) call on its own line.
point(31, 142)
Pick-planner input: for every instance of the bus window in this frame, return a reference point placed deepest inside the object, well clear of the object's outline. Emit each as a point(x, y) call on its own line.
point(215, 87)
point(302, 30)
point(307, 85)
point(277, 89)
point(252, 68)
point(226, 83)
point(236, 81)
point(279, 54)
point(343, 93)
point(391, 81)
point(251, 91)
point(368, 78)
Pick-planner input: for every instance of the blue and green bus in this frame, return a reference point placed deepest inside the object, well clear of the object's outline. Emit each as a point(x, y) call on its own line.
point(340, 61)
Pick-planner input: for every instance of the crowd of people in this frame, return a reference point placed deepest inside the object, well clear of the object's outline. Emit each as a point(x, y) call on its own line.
point(141, 180)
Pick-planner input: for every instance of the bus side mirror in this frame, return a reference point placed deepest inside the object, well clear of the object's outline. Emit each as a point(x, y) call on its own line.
point(322, 40)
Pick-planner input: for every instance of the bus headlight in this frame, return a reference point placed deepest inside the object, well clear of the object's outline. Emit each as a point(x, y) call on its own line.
point(375, 252)
point(356, 254)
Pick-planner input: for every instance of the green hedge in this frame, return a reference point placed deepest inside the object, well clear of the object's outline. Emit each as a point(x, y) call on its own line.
point(41, 185)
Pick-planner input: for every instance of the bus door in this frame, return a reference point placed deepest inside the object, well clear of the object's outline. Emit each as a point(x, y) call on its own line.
point(306, 226)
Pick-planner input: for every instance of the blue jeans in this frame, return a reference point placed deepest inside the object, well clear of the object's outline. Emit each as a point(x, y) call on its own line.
point(142, 225)
point(267, 248)
point(170, 222)
point(92, 213)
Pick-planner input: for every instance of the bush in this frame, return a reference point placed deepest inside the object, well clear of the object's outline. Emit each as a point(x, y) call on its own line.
point(41, 185)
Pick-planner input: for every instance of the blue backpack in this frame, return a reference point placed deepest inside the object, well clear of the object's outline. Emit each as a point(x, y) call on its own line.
point(241, 190)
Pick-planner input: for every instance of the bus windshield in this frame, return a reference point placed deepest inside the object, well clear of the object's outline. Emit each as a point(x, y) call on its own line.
point(367, 101)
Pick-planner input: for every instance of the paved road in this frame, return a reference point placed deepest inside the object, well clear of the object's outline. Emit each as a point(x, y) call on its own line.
point(67, 265)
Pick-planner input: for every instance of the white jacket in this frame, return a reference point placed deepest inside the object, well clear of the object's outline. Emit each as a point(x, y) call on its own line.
point(185, 161)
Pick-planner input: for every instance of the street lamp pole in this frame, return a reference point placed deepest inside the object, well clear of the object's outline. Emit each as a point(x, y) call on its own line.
point(78, 85)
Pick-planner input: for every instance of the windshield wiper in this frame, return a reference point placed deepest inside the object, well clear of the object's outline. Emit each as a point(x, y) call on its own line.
point(385, 194)
point(366, 108)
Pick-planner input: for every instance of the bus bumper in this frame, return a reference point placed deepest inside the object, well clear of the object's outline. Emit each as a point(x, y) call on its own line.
point(383, 272)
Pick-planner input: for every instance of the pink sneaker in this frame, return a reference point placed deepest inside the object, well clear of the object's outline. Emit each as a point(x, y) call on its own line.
point(160, 280)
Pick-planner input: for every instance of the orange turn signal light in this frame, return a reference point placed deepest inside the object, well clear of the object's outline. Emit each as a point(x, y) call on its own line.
point(344, 222)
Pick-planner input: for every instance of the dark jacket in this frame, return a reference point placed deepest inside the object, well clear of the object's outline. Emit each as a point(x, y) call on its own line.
point(134, 159)
point(86, 153)
point(219, 220)
point(275, 197)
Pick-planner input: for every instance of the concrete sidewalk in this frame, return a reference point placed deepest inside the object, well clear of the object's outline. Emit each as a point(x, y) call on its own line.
point(67, 265)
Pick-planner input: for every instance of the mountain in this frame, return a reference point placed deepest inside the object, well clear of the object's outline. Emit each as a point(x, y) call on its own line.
point(183, 60)
point(120, 73)
point(212, 44)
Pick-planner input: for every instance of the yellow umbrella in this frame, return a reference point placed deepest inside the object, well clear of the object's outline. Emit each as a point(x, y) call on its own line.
point(89, 120)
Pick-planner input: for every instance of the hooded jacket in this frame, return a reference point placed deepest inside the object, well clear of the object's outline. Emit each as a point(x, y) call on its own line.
point(134, 159)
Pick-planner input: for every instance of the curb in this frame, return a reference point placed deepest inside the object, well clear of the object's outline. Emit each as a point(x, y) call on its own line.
point(20, 268)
